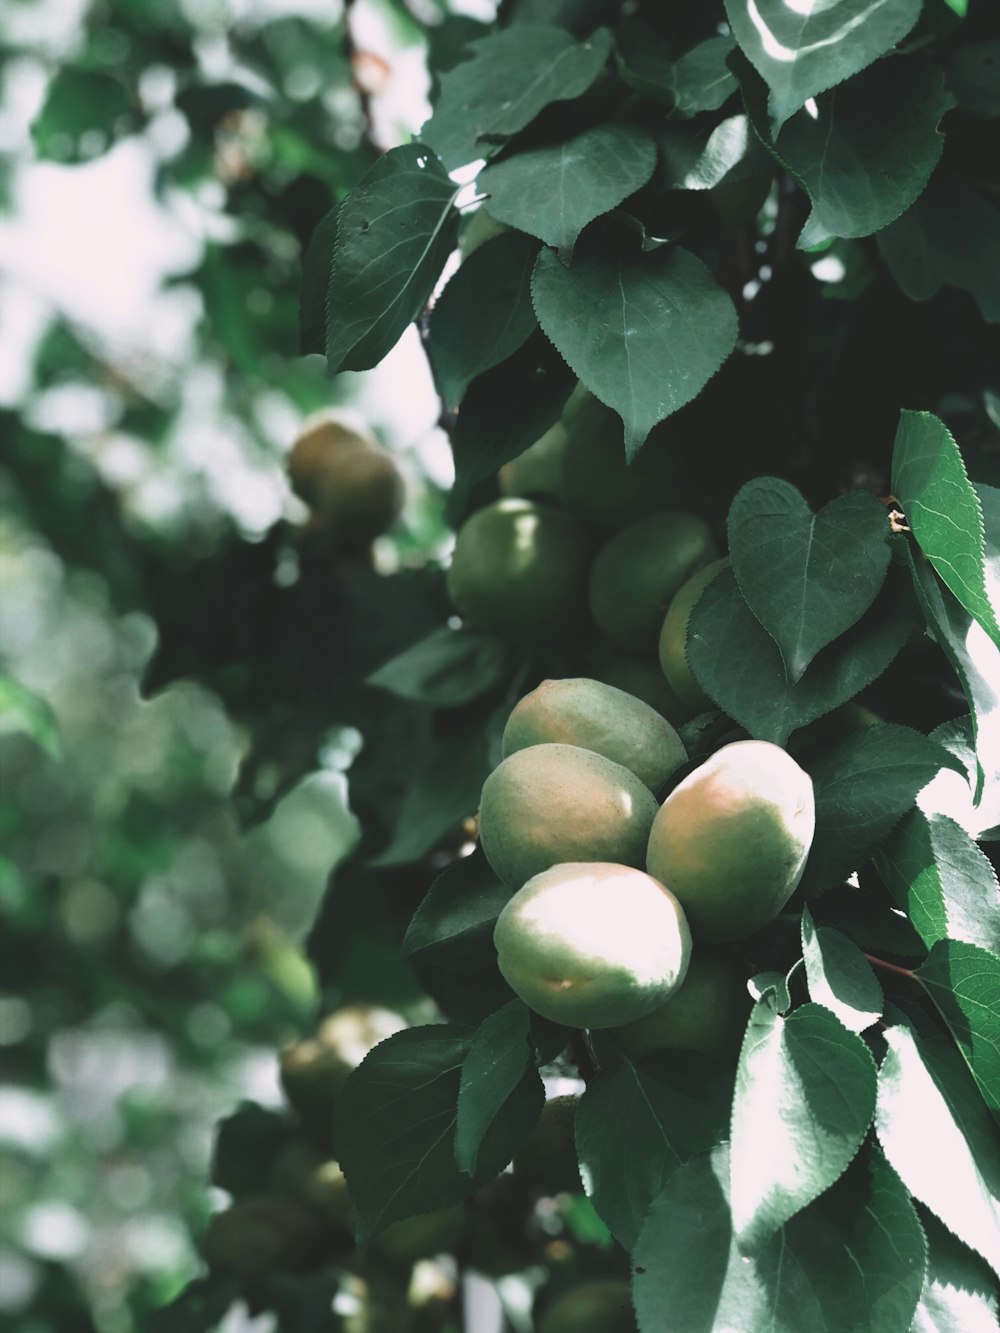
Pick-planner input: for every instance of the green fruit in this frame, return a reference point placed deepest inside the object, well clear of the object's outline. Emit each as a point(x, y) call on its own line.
point(519, 569)
point(555, 803)
point(419, 1237)
point(599, 484)
point(597, 717)
point(707, 1012)
point(593, 945)
point(538, 471)
point(603, 1305)
point(639, 571)
point(673, 640)
point(352, 485)
point(263, 1235)
point(731, 840)
point(547, 1159)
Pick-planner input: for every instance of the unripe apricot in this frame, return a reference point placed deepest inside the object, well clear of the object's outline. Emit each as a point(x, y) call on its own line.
point(707, 1012)
point(352, 485)
point(673, 639)
point(602, 1305)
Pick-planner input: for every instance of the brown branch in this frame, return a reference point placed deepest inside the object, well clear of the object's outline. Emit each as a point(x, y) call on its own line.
point(890, 967)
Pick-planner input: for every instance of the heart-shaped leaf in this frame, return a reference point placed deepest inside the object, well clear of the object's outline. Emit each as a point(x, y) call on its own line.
point(806, 577)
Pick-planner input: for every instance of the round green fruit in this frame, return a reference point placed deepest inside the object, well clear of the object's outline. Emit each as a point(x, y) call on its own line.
point(548, 1159)
point(593, 945)
point(519, 569)
point(603, 1305)
point(263, 1235)
point(419, 1237)
point(352, 485)
point(706, 1013)
point(554, 803)
point(599, 484)
point(731, 840)
point(673, 640)
point(639, 571)
point(538, 471)
point(597, 717)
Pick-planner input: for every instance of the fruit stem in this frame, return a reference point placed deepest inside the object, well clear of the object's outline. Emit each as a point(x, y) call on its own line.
point(890, 967)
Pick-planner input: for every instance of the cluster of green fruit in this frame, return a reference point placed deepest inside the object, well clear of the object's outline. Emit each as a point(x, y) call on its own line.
point(612, 888)
point(352, 486)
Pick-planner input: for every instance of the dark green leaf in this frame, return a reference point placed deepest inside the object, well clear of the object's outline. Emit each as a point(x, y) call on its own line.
point(483, 315)
point(959, 1293)
point(23, 710)
point(942, 880)
point(854, 1259)
point(689, 160)
point(245, 1146)
point(864, 785)
point(509, 78)
point(446, 668)
point(801, 50)
point(947, 238)
point(637, 1122)
point(963, 980)
point(869, 149)
point(394, 232)
point(939, 1138)
point(317, 264)
point(943, 511)
point(504, 412)
point(839, 977)
point(500, 1061)
point(750, 685)
point(701, 80)
point(643, 332)
point(79, 102)
point(972, 77)
point(806, 577)
point(804, 1101)
point(396, 1125)
point(458, 913)
point(554, 191)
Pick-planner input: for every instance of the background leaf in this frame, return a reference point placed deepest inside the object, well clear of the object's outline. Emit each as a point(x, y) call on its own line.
point(554, 191)
point(637, 1122)
point(959, 1294)
point(939, 1138)
point(806, 577)
point(751, 686)
point(509, 78)
point(863, 786)
point(644, 332)
point(483, 315)
point(394, 232)
point(839, 977)
point(23, 710)
point(446, 668)
point(803, 51)
point(942, 880)
point(943, 510)
point(498, 1064)
point(963, 980)
point(458, 913)
point(804, 1101)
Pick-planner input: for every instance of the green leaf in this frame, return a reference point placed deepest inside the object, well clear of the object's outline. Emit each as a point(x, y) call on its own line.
point(317, 264)
point(972, 77)
point(689, 160)
point(459, 912)
point(643, 332)
point(504, 412)
point(554, 191)
point(939, 1138)
point(395, 1128)
point(801, 50)
point(951, 795)
point(509, 78)
point(701, 79)
point(806, 577)
point(854, 1259)
point(868, 151)
point(751, 686)
point(635, 1125)
point(839, 977)
point(804, 1101)
point(963, 980)
point(948, 238)
point(446, 668)
point(863, 786)
point(394, 232)
point(483, 315)
point(974, 657)
point(79, 102)
point(943, 511)
point(23, 710)
point(942, 880)
point(959, 1294)
point(500, 1061)
point(246, 1144)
